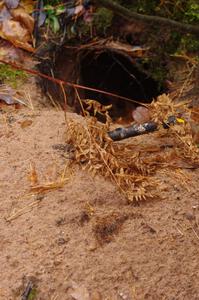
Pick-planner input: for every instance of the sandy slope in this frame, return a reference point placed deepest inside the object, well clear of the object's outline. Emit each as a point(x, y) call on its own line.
point(85, 234)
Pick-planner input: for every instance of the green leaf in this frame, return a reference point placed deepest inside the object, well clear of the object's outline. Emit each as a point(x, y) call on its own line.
point(49, 9)
point(54, 24)
point(60, 10)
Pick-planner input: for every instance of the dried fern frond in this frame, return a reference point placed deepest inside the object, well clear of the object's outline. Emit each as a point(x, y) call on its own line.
point(97, 153)
point(181, 133)
point(96, 108)
point(164, 107)
point(130, 166)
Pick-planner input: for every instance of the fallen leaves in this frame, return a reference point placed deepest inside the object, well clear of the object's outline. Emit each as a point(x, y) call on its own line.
point(28, 5)
point(10, 53)
point(16, 25)
point(21, 16)
point(26, 123)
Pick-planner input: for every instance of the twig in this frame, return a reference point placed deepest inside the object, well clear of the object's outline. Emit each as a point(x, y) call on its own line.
point(27, 291)
point(149, 19)
point(131, 131)
point(65, 100)
point(197, 236)
point(54, 103)
point(74, 85)
point(80, 102)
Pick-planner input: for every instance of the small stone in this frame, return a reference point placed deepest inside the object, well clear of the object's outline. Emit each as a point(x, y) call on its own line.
point(60, 221)
point(40, 197)
point(57, 263)
point(123, 296)
point(61, 241)
point(195, 206)
point(92, 246)
point(189, 216)
point(141, 115)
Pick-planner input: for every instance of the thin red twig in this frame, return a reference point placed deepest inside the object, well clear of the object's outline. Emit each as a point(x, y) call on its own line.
point(67, 83)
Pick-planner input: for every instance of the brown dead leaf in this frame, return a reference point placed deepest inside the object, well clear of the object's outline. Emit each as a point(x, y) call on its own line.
point(28, 5)
point(16, 25)
point(19, 36)
point(25, 46)
point(26, 123)
point(20, 15)
point(13, 31)
point(10, 53)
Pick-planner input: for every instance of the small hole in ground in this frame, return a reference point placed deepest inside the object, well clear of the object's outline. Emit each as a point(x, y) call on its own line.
point(113, 72)
point(108, 70)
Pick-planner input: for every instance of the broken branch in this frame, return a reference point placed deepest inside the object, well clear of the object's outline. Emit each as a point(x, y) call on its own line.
point(131, 16)
point(131, 131)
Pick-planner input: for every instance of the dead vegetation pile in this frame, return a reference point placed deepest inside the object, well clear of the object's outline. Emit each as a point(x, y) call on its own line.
point(132, 164)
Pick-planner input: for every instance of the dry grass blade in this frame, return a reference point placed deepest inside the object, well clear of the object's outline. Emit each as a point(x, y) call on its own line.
point(33, 175)
point(22, 211)
point(40, 188)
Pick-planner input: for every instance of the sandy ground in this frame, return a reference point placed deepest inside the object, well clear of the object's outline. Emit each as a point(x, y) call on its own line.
point(83, 241)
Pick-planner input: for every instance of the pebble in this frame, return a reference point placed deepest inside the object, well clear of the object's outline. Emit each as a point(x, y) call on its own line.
point(189, 216)
point(141, 115)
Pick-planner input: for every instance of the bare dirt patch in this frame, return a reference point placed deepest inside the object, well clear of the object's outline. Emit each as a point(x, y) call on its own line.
point(82, 240)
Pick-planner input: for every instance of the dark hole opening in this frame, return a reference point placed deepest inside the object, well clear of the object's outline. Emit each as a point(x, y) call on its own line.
point(113, 72)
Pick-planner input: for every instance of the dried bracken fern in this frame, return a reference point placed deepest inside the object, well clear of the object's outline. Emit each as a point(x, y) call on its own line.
point(182, 132)
point(130, 166)
point(164, 107)
point(117, 161)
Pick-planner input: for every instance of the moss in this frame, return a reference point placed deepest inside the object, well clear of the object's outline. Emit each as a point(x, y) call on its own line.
point(189, 43)
point(103, 20)
point(33, 294)
point(159, 74)
point(11, 76)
